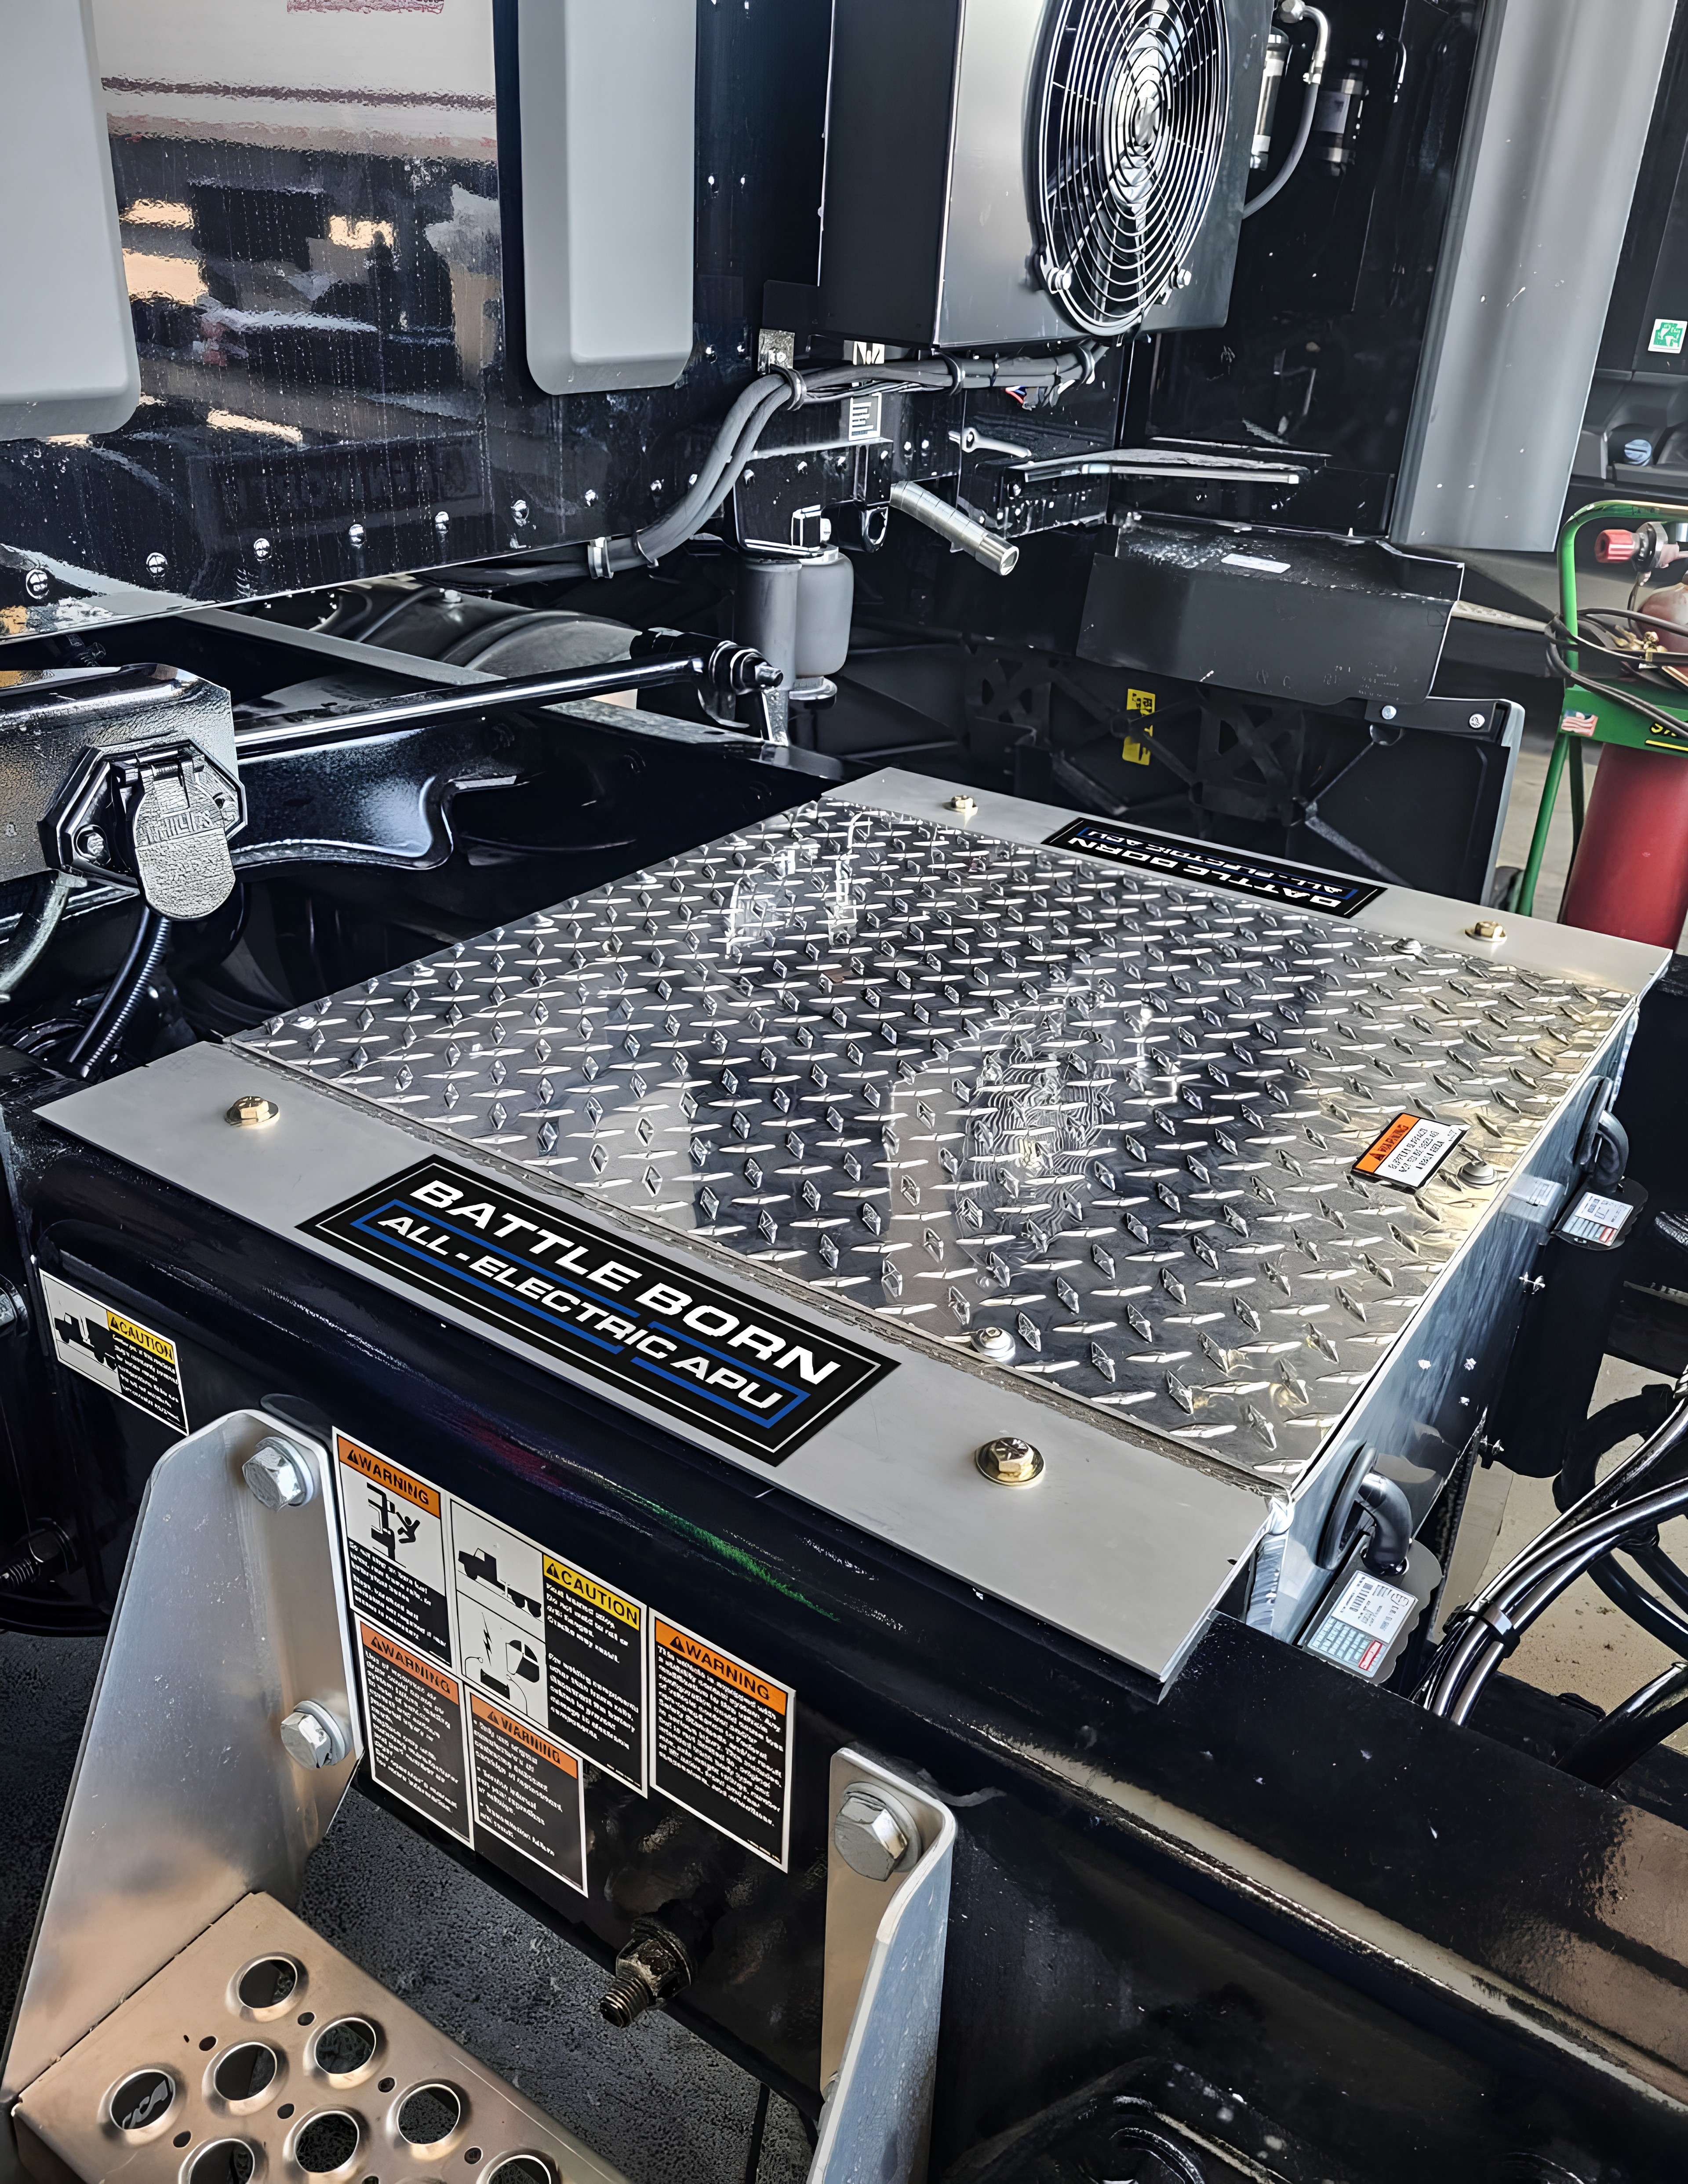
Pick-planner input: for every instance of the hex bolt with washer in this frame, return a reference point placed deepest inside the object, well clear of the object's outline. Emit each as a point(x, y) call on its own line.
point(90, 844)
point(1479, 1171)
point(1485, 929)
point(966, 806)
point(873, 1835)
point(995, 1345)
point(281, 1476)
point(312, 1737)
point(251, 1111)
point(1009, 1461)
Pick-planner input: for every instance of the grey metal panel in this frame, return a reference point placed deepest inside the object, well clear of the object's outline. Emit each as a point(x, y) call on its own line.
point(608, 132)
point(67, 343)
point(183, 1799)
point(1553, 137)
point(1123, 1542)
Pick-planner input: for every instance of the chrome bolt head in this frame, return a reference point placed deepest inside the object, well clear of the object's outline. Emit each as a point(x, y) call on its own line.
point(966, 806)
point(1009, 1461)
point(871, 1836)
point(280, 1475)
point(995, 1345)
point(313, 1737)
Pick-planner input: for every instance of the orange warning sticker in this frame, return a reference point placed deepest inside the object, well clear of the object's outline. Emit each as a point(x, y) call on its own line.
point(1409, 1151)
point(722, 1665)
point(386, 1474)
point(721, 1740)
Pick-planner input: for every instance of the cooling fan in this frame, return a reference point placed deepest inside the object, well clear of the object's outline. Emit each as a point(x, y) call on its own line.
point(1126, 152)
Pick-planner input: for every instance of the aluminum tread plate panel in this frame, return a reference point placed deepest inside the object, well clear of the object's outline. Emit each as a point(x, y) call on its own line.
point(1116, 1545)
point(957, 1082)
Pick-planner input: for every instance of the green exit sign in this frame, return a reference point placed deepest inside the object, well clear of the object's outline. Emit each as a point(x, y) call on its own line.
point(1667, 336)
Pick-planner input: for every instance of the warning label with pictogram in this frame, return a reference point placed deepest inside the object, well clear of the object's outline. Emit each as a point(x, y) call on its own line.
point(395, 1548)
point(135, 1363)
point(415, 1715)
point(721, 1740)
point(528, 1792)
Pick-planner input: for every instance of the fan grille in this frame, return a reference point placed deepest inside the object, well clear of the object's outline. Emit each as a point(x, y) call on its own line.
point(1127, 148)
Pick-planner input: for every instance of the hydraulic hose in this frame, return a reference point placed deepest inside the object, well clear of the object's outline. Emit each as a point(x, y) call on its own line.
point(1639, 1496)
point(111, 1019)
point(34, 929)
point(1292, 13)
point(787, 388)
point(1644, 1719)
point(1641, 1413)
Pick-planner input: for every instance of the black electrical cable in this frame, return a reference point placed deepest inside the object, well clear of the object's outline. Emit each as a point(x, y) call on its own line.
point(1304, 129)
point(1672, 723)
point(1643, 1720)
point(1641, 1413)
point(759, 2124)
point(33, 930)
point(111, 1019)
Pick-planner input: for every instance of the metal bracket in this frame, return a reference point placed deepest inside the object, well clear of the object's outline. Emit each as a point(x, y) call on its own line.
point(883, 1978)
point(184, 1799)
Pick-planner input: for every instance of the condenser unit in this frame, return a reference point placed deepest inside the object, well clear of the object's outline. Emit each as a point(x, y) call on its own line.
point(1013, 170)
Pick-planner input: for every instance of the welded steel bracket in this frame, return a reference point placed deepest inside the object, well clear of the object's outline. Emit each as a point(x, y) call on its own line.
point(882, 1984)
point(184, 1799)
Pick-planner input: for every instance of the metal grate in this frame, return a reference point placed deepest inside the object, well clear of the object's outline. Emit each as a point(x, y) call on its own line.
point(260, 2052)
point(973, 1085)
point(1127, 148)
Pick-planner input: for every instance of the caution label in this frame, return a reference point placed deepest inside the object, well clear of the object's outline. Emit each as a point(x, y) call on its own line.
point(395, 1548)
point(1409, 1151)
point(414, 1713)
point(528, 1792)
point(721, 1739)
point(1358, 1630)
point(135, 1363)
point(595, 1669)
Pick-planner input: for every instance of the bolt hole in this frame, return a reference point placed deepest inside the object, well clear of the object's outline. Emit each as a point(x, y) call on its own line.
point(208, 2043)
point(327, 2142)
point(181, 2138)
point(386, 2085)
point(141, 2099)
point(430, 2115)
point(285, 2110)
point(307, 2017)
point(244, 2072)
point(521, 2169)
point(345, 2046)
point(267, 1984)
point(471, 2154)
point(225, 2161)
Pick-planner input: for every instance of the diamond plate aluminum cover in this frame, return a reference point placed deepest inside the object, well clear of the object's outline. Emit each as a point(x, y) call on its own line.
point(975, 1086)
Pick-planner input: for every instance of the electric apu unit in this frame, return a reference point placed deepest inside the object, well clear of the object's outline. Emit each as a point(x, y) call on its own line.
point(1007, 171)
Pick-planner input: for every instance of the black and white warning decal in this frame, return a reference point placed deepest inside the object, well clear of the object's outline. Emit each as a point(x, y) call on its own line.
point(135, 1363)
point(493, 1670)
point(721, 1740)
point(749, 1374)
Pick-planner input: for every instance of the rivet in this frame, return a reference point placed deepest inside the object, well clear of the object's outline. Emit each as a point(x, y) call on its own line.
point(157, 565)
point(260, 548)
point(37, 583)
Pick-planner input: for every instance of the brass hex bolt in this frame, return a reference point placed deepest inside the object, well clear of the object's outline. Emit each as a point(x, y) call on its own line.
point(1009, 1461)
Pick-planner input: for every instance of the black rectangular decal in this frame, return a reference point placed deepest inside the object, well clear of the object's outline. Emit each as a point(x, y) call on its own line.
point(1273, 878)
point(749, 1374)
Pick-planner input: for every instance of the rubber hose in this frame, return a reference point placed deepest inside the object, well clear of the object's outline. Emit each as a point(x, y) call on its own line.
point(111, 1019)
point(1643, 1720)
point(33, 930)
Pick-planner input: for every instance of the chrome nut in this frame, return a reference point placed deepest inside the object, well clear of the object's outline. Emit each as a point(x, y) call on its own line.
point(995, 1345)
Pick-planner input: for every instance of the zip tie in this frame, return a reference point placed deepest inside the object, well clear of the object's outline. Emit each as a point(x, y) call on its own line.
point(597, 557)
point(794, 379)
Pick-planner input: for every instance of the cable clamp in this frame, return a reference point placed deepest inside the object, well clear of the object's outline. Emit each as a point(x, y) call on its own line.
point(597, 557)
point(794, 379)
point(1499, 1624)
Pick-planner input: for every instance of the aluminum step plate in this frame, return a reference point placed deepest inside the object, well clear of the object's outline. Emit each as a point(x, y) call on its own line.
point(966, 1083)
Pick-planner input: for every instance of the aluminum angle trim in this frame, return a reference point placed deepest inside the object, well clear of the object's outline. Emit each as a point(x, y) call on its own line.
point(1124, 1542)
